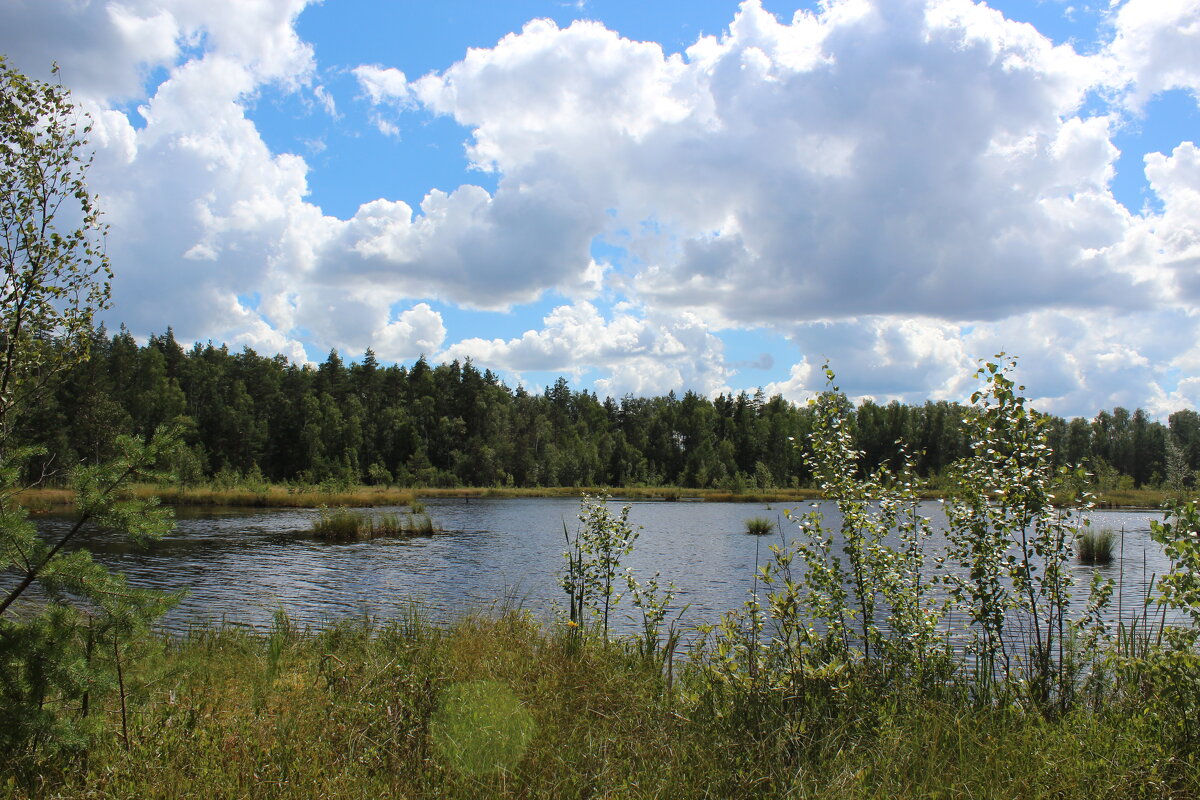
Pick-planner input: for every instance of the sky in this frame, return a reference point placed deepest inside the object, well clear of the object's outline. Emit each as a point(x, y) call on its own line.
point(647, 197)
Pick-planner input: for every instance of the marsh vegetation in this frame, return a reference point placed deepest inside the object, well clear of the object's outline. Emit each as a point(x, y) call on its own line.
point(837, 678)
point(1096, 546)
point(348, 525)
point(760, 526)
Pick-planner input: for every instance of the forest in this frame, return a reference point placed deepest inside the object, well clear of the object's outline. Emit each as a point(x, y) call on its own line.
point(249, 418)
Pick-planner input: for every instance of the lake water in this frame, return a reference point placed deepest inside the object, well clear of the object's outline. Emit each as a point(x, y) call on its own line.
point(241, 566)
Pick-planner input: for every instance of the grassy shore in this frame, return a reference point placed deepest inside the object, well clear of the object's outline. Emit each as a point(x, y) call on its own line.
point(505, 707)
point(281, 496)
point(276, 496)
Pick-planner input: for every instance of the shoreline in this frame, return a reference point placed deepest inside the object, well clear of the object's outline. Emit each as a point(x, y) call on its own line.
point(43, 500)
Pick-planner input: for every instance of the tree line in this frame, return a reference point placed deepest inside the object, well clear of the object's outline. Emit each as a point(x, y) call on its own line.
point(248, 417)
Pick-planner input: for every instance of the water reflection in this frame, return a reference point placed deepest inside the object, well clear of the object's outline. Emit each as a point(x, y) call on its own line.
point(240, 566)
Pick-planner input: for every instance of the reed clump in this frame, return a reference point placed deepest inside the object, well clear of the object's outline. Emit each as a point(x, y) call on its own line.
point(759, 526)
point(349, 525)
point(1095, 547)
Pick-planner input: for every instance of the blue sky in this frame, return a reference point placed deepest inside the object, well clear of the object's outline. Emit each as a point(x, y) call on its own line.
point(648, 197)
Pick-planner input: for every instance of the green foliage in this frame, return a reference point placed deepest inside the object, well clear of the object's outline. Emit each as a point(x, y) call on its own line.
point(1179, 534)
point(859, 605)
point(54, 272)
point(67, 625)
point(593, 558)
point(452, 425)
point(63, 647)
point(1159, 671)
point(653, 601)
point(859, 608)
point(1013, 545)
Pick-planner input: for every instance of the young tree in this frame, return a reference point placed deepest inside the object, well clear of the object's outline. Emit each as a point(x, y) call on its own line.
point(55, 273)
point(61, 645)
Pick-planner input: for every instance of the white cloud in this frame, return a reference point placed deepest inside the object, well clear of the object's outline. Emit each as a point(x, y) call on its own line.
point(417, 331)
point(383, 84)
point(884, 358)
point(639, 353)
point(876, 158)
point(897, 184)
point(1157, 47)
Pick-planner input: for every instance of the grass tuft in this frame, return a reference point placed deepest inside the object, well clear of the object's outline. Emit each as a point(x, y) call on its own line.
point(760, 526)
point(347, 525)
point(1095, 547)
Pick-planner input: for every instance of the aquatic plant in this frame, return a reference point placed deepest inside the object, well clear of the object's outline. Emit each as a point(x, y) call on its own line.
point(759, 526)
point(338, 525)
point(347, 525)
point(1095, 547)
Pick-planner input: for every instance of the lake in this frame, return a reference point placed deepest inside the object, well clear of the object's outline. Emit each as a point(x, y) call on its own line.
point(240, 565)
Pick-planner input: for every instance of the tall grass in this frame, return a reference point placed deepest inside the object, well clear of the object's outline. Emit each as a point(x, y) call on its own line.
point(285, 496)
point(759, 526)
point(280, 496)
point(348, 525)
point(1095, 546)
point(364, 711)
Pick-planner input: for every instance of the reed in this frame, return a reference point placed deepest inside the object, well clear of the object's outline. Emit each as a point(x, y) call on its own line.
point(1095, 547)
point(1132, 498)
point(340, 525)
point(759, 526)
point(278, 497)
point(347, 525)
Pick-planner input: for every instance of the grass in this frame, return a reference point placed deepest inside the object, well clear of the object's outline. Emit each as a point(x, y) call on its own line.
point(1134, 498)
point(1095, 547)
point(282, 496)
point(760, 526)
point(398, 711)
point(346, 525)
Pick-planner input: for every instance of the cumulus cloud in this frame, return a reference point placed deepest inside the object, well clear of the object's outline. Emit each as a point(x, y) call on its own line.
point(898, 185)
point(874, 158)
point(383, 84)
point(1157, 47)
point(199, 209)
point(884, 358)
point(641, 354)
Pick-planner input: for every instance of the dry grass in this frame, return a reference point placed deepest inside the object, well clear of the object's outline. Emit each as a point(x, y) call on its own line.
point(1133, 498)
point(278, 496)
